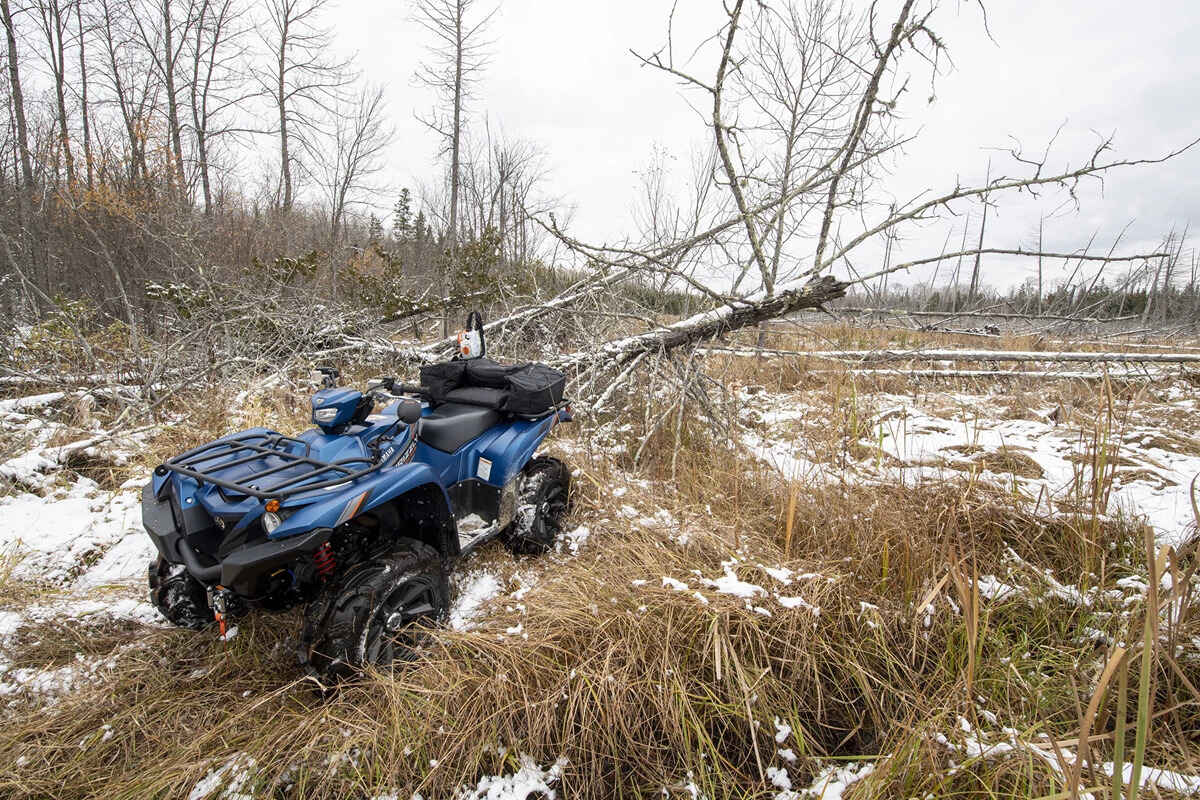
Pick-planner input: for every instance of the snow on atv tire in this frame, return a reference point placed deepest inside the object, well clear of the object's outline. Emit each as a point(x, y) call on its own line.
point(373, 615)
point(543, 496)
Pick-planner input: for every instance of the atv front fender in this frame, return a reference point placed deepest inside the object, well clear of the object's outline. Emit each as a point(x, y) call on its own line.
point(420, 499)
point(423, 505)
point(159, 522)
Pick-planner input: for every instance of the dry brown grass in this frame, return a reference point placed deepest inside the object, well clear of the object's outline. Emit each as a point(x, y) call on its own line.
point(1009, 460)
point(57, 642)
point(638, 684)
point(635, 685)
point(1171, 441)
point(14, 593)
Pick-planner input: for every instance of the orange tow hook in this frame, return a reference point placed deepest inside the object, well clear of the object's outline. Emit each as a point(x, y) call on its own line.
point(220, 608)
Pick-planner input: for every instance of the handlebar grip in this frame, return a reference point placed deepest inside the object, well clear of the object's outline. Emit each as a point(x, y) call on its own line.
point(411, 388)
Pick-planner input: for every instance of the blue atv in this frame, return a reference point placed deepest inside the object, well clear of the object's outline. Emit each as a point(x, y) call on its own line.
point(361, 518)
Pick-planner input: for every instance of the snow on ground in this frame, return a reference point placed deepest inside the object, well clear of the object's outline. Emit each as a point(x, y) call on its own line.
point(1159, 778)
point(49, 444)
point(226, 781)
point(529, 780)
point(974, 744)
point(47, 684)
point(753, 595)
point(832, 782)
point(475, 590)
point(935, 435)
point(76, 533)
point(82, 547)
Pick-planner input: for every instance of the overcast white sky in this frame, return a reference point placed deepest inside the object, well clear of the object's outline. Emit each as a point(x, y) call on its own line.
point(561, 75)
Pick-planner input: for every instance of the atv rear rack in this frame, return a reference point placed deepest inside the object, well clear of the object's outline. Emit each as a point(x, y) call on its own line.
point(246, 448)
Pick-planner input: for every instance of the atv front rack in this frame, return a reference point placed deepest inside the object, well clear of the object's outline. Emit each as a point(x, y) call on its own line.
point(250, 447)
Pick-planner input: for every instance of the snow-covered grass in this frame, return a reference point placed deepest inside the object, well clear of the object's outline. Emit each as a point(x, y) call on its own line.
point(1136, 460)
point(861, 589)
point(75, 534)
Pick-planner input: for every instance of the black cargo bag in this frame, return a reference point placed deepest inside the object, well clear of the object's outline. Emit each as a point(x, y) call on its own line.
point(442, 378)
point(488, 374)
point(522, 389)
point(534, 389)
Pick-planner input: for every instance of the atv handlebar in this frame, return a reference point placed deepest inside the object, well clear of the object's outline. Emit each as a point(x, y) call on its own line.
point(394, 387)
point(411, 388)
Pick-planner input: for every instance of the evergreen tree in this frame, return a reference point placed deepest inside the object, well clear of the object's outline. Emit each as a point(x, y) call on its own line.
point(421, 230)
point(401, 216)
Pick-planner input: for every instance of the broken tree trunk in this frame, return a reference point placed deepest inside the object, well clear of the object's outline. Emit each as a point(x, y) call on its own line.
point(711, 324)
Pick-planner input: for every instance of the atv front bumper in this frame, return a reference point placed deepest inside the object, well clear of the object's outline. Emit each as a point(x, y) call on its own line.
point(242, 570)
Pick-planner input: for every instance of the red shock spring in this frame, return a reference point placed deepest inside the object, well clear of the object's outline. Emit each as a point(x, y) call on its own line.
point(324, 561)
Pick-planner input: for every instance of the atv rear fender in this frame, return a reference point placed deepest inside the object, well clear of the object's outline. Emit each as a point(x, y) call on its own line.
point(496, 456)
point(510, 449)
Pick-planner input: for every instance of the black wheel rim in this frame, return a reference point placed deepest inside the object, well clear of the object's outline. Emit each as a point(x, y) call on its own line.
point(395, 628)
point(551, 508)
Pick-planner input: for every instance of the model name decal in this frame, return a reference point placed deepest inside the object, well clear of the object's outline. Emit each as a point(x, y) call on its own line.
point(406, 455)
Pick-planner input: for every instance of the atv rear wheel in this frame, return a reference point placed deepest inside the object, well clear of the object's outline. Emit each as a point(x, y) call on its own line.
point(178, 596)
point(543, 498)
point(374, 615)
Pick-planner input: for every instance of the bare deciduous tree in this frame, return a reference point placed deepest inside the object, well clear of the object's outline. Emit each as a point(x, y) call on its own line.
point(216, 52)
point(801, 62)
point(301, 79)
point(797, 100)
point(352, 156)
point(17, 95)
point(131, 84)
point(500, 176)
point(84, 114)
point(164, 41)
point(54, 24)
point(458, 54)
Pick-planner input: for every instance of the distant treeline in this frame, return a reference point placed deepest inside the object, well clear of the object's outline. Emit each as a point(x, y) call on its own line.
point(1167, 303)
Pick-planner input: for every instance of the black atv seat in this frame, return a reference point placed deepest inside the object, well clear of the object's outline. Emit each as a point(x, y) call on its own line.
point(451, 425)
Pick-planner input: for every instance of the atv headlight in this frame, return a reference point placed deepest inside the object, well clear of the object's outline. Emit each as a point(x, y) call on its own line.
point(271, 521)
point(325, 415)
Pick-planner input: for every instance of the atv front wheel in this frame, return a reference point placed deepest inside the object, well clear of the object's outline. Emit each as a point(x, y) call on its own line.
point(374, 615)
point(542, 503)
point(178, 596)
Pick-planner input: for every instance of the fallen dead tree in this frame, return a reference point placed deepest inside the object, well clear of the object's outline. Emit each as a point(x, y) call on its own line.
point(750, 233)
point(31, 402)
point(707, 325)
point(33, 379)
